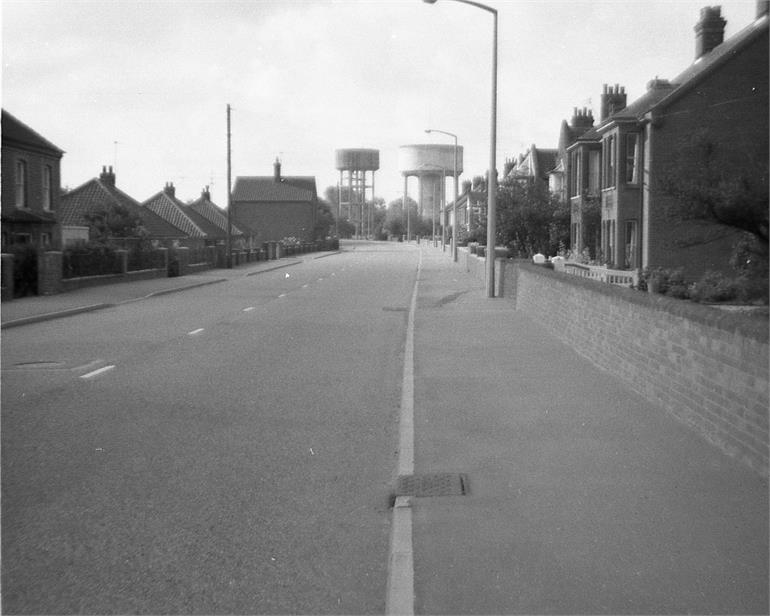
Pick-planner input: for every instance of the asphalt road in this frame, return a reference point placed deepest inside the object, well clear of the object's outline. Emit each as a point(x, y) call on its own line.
point(227, 449)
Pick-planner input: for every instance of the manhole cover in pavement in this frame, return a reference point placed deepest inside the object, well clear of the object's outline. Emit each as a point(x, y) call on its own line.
point(432, 484)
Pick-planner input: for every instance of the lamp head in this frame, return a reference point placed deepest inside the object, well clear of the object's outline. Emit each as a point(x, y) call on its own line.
point(429, 1)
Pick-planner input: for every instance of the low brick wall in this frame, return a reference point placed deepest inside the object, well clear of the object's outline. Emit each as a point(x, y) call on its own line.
point(706, 367)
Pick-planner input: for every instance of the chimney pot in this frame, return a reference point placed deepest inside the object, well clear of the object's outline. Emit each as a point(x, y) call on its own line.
point(277, 170)
point(709, 31)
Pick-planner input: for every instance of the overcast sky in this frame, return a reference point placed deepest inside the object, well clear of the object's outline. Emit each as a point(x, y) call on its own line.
point(144, 85)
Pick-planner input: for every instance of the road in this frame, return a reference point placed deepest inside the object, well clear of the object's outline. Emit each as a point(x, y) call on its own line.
point(227, 449)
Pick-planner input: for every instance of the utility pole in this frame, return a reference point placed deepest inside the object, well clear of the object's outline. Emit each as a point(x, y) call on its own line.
point(229, 247)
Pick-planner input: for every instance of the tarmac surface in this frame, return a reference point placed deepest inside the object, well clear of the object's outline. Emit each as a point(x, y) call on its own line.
point(583, 497)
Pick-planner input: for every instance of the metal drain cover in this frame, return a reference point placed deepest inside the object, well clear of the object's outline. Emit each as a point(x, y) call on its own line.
point(432, 484)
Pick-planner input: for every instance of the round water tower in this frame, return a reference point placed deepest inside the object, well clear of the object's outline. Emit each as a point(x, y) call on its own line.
point(431, 163)
point(353, 165)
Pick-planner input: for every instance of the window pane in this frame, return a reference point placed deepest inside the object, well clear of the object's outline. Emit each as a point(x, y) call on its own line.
point(631, 158)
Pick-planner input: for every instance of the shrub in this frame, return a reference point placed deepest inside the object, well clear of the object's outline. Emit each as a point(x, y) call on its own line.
point(713, 287)
point(89, 259)
point(668, 282)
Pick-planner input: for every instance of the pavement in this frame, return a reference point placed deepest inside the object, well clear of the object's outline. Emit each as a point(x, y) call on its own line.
point(582, 497)
point(34, 309)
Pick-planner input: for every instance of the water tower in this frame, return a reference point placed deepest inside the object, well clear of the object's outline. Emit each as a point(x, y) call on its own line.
point(431, 163)
point(353, 165)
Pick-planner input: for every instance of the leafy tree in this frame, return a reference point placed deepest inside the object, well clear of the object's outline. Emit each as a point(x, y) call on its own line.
point(324, 223)
point(724, 190)
point(530, 219)
point(116, 221)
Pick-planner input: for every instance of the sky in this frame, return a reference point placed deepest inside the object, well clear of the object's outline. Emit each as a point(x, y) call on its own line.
point(144, 85)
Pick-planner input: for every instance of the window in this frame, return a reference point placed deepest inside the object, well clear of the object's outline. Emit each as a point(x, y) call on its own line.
point(45, 239)
point(574, 173)
point(21, 183)
point(631, 241)
point(47, 181)
point(609, 153)
point(632, 158)
point(594, 172)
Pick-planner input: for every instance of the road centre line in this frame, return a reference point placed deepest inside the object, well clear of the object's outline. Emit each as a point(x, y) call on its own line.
point(195, 332)
point(97, 372)
point(249, 309)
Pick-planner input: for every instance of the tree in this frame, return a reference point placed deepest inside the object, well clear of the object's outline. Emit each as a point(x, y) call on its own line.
point(116, 221)
point(721, 189)
point(530, 219)
point(324, 223)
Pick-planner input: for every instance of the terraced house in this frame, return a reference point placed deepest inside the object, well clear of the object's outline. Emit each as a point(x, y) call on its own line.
point(620, 165)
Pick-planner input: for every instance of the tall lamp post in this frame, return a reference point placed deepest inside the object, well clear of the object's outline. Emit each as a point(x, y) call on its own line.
point(453, 246)
point(492, 180)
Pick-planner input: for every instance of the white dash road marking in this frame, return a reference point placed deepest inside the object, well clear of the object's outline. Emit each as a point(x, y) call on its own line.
point(94, 373)
point(304, 286)
point(282, 295)
point(249, 309)
point(195, 332)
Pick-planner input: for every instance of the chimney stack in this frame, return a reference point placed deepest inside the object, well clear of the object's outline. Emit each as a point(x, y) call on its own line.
point(763, 8)
point(613, 100)
point(206, 194)
point(277, 170)
point(107, 176)
point(169, 189)
point(581, 121)
point(709, 31)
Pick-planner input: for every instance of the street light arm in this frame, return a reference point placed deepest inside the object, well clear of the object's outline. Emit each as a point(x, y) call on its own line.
point(443, 132)
point(471, 2)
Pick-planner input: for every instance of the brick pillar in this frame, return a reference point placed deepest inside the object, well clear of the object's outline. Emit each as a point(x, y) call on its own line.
point(183, 254)
point(7, 277)
point(49, 272)
point(122, 257)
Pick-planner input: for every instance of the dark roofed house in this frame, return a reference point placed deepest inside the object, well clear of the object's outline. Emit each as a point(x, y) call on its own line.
point(209, 217)
point(165, 205)
point(271, 208)
point(31, 183)
point(721, 97)
point(532, 166)
point(99, 196)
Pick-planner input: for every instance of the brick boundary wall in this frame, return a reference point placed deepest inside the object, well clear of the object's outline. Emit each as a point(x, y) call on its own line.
point(707, 368)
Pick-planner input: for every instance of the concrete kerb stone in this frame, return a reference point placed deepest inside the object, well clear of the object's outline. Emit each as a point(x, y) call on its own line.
point(193, 285)
point(48, 316)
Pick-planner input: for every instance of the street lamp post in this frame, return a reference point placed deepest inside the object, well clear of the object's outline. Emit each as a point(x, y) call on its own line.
point(492, 180)
point(453, 245)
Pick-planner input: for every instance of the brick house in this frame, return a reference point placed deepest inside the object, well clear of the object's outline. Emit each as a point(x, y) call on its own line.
point(209, 217)
point(165, 205)
point(31, 183)
point(271, 208)
point(100, 195)
point(622, 160)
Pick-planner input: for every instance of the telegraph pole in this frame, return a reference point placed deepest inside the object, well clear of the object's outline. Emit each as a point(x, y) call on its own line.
point(229, 247)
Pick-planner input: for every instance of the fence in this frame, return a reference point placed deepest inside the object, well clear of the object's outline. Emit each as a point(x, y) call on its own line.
point(597, 272)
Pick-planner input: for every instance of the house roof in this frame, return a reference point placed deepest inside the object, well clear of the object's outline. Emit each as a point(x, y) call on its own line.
point(172, 211)
point(208, 210)
point(536, 163)
point(96, 195)
point(266, 188)
point(16, 132)
point(716, 57)
point(661, 93)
